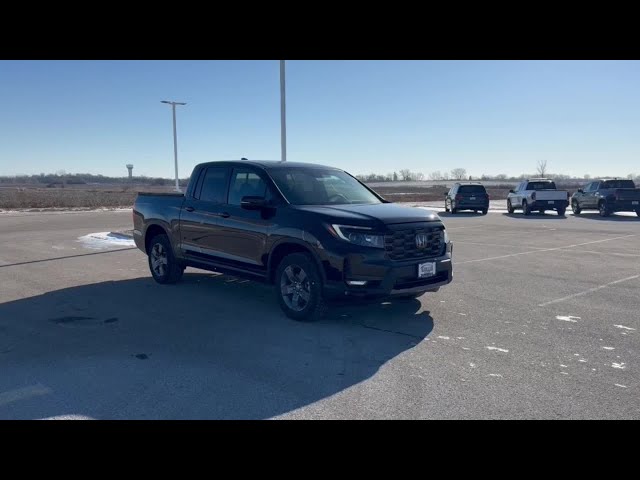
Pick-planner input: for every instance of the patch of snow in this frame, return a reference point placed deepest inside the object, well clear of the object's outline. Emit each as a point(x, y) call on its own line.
point(444, 338)
point(608, 348)
point(620, 365)
point(567, 318)
point(621, 386)
point(495, 375)
point(463, 314)
point(472, 365)
point(563, 366)
point(100, 240)
point(623, 327)
point(582, 360)
point(498, 349)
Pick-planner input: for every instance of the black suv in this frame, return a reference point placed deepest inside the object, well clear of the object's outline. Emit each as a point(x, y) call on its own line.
point(315, 232)
point(467, 196)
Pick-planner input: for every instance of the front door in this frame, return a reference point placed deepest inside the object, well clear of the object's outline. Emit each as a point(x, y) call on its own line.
point(242, 235)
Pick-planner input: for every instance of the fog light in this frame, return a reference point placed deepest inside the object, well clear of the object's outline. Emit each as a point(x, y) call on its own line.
point(357, 283)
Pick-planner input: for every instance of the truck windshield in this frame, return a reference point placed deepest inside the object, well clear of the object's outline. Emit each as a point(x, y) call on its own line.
point(541, 186)
point(618, 184)
point(318, 186)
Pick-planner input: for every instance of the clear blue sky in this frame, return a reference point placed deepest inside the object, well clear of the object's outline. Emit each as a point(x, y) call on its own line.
point(364, 116)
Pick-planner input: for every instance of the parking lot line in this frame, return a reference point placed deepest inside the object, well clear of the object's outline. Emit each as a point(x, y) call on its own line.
point(591, 290)
point(544, 250)
point(497, 245)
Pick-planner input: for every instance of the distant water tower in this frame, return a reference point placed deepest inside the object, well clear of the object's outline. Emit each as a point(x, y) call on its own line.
point(130, 168)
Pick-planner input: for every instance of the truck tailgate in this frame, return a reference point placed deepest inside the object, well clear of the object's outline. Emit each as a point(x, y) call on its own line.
point(551, 195)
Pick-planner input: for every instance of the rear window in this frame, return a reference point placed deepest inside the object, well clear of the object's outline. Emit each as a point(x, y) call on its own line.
point(472, 189)
point(541, 186)
point(618, 184)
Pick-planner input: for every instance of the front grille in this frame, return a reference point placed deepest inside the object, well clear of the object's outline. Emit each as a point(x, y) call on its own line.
point(401, 244)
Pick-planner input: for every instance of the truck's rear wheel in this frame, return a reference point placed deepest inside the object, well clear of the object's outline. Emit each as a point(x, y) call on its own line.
point(299, 287)
point(561, 212)
point(525, 208)
point(164, 266)
point(604, 211)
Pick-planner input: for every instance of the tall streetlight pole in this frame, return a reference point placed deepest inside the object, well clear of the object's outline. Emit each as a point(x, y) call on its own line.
point(283, 114)
point(175, 138)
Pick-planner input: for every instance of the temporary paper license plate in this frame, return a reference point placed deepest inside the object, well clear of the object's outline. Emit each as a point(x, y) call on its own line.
point(426, 269)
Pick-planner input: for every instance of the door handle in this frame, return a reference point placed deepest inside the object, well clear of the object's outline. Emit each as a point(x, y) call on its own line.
point(224, 215)
point(189, 209)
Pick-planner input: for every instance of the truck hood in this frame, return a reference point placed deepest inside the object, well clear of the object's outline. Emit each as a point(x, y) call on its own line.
point(387, 213)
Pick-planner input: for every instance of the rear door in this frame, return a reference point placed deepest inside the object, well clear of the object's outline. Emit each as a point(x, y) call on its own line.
point(199, 220)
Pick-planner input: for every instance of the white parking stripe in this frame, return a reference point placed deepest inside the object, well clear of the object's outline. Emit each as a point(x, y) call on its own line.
point(497, 245)
point(591, 290)
point(542, 250)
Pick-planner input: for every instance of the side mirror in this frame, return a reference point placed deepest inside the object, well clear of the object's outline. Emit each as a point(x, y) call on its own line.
point(580, 190)
point(511, 191)
point(253, 203)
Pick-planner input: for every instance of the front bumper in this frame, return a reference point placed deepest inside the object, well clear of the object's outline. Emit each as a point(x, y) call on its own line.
point(378, 277)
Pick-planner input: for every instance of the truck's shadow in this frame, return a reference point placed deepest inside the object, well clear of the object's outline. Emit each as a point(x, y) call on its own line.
point(536, 216)
point(611, 218)
point(208, 347)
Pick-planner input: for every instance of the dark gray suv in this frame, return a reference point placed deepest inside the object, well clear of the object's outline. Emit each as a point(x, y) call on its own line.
point(467, 196)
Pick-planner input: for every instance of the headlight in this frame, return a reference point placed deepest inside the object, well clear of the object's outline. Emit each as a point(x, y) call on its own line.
point(358, 235)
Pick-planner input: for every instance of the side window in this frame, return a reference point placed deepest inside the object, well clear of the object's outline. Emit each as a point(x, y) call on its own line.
point(214, 185)
point(595, 186)
point(246, 184)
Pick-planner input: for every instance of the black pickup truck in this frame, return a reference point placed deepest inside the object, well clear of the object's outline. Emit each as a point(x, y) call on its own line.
point(315, 232)
point(607, 196)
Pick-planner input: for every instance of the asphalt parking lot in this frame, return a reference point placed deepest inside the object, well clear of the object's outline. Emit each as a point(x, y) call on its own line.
point(542, 320)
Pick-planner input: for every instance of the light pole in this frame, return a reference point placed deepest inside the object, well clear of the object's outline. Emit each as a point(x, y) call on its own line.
point(175, 138)
point(283, 114)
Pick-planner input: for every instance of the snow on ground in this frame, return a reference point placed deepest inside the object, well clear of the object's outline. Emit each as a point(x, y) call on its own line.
point(100, 240)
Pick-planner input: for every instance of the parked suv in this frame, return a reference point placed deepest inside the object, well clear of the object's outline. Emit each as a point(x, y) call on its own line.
point(607, 196)
point(467, 196)
point(314, 232)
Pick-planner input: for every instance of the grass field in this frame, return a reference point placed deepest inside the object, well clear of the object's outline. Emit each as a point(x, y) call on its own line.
point(118, 196)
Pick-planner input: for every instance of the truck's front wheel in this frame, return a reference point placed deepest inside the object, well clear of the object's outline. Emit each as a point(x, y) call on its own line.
point(298, 287)
point(162, 263)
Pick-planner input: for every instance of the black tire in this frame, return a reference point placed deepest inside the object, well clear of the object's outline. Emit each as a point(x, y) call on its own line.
point(575, 207)
point(299, 274)
point(603, 210)
point(561, 212)
point(446, 209)
point(510, 208)
point(525, 208)
point(484, 211)
point(454, 211)
point(542, 211)
point(163, 265)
